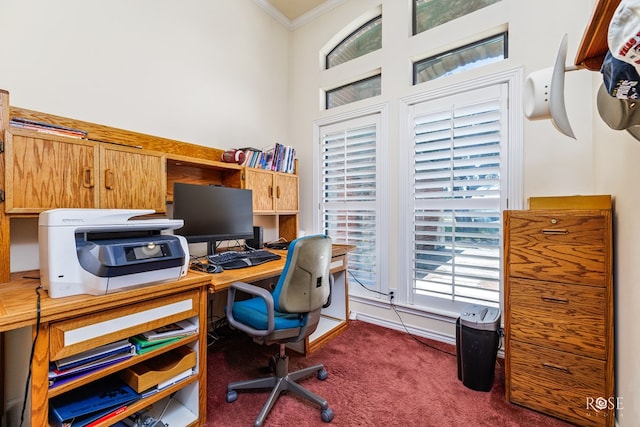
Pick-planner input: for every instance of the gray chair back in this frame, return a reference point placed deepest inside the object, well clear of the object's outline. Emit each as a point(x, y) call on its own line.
point(304, 284)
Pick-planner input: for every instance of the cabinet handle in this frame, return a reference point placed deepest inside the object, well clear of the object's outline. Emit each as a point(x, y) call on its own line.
point(271, 192)
point(108, 179)
point(556, 300)
point(278, 191)
point(555, 367)
point(88, 178)
point(555, 231)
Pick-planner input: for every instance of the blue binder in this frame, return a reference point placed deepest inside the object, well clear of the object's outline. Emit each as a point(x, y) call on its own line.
point(93, 398)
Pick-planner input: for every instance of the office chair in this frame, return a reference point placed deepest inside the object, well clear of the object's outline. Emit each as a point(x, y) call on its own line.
point(289, 314)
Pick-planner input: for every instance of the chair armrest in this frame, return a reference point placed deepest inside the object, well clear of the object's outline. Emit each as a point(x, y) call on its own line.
point(257, 291)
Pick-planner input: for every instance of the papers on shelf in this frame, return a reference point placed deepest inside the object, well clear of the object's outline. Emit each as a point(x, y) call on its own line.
point(172, 330)
point(97, 353)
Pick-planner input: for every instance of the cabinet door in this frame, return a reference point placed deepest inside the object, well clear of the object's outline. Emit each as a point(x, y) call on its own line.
point(261, 183)
point(49, 172)
point(286, 193)
point(132, 179)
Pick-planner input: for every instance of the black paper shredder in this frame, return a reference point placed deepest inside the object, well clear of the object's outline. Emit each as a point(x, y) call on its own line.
point(477, 341)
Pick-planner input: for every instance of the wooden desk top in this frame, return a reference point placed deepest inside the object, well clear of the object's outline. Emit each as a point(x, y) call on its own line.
point(18, 298)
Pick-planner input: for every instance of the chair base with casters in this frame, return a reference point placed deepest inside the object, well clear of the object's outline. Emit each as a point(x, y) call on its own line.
point(283, 380)
point(288, 315)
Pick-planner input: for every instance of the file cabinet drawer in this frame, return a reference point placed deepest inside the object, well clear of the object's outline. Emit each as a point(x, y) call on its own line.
point(73, 336)
point(557, 383)
point(565, 317)
point(559, 248)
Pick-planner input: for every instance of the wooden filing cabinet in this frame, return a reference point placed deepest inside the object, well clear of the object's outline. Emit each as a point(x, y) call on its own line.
point(559, 308)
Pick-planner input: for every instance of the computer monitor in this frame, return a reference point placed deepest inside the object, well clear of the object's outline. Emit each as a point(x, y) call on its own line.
point(212, 213)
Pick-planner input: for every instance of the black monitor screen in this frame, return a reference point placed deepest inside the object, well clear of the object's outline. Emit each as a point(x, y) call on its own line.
point(212, 213)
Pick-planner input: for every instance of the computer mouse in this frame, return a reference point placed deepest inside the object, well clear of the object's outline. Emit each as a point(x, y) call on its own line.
point(214, 268)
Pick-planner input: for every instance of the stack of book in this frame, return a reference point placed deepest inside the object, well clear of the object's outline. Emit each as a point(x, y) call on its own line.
point(278, 158)
point(72, 367)
point(91, 404)
point(21, 123)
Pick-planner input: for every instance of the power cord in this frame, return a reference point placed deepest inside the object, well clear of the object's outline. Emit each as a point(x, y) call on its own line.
point(391, 295)
point(33, 349)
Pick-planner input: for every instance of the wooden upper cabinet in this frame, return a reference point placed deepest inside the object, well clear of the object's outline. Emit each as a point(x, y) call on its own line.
point(47, 172)
point(132, 179)
point(286, 192)
point(272, 191)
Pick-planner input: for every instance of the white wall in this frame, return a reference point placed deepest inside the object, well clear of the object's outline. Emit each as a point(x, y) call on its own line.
point(197, 71)
point(617, 156)
point(213, 73)
point(600, 161)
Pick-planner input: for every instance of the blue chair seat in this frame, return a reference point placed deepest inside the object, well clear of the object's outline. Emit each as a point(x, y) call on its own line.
point(254, 313)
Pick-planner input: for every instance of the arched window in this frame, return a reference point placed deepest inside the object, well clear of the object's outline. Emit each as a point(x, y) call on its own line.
point(365, 39)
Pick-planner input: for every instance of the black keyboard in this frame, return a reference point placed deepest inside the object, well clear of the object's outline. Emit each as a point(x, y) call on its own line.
point(230, 260)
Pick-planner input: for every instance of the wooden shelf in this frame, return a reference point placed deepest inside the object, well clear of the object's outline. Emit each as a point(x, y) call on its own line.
point(594, 46)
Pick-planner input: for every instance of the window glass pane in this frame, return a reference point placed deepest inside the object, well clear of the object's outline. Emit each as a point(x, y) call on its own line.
point(362, 41)
point(465, 58)
point(428, 14)
point(356, 91)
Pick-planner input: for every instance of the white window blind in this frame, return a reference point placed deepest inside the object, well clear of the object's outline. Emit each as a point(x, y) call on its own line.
point(349, 193)
point(457, 196)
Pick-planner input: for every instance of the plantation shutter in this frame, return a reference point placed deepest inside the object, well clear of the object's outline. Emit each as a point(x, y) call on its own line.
point(349, 191)
point(457, 171)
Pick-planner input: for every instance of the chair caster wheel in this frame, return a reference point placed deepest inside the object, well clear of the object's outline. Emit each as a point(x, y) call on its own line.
point(232, 396)
point(326, 415)
point(323, 374)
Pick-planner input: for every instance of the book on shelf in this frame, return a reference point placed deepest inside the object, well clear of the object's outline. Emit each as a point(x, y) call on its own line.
point(277, 157)
point(112, 413)
point(182, 328)
point(48, 128)
point(85, 404)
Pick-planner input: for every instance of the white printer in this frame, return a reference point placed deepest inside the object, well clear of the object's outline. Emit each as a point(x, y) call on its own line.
point(99, 251)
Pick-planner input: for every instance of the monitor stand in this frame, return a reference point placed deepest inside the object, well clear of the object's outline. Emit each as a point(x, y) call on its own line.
point(211, 247)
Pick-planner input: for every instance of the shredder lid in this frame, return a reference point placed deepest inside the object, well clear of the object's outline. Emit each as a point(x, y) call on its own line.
point(480, 317)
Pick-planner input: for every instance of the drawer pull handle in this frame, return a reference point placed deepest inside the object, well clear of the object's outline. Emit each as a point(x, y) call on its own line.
point(556, 367)
point(556, 300)
point(554, 231)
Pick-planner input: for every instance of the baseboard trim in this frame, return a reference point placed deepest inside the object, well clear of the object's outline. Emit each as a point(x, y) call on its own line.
point(402, 328)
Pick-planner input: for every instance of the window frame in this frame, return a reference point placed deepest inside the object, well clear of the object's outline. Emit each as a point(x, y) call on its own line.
point(513, 170)
point(505, 53)
point(329, 92)
point(327, 66)
point(378, 113)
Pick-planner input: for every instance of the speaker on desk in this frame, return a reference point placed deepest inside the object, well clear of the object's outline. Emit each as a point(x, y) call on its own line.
point(256, 242)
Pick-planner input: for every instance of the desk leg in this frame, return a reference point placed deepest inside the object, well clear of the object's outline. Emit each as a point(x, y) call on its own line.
point(40, 378)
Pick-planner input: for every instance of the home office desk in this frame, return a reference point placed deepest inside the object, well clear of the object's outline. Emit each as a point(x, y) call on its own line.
point(165, 303)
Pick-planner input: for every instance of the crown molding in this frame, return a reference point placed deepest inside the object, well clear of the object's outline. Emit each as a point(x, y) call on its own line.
point(301, 20)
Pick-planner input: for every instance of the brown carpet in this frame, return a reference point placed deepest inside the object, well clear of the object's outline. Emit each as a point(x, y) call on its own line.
point(377, 377)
